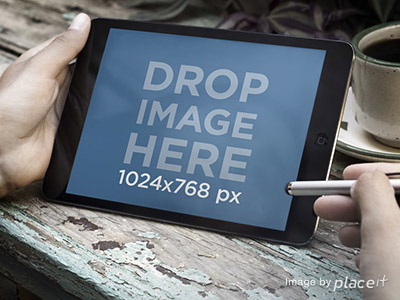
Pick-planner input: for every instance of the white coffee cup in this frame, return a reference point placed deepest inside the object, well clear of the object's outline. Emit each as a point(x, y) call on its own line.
point(376, 82)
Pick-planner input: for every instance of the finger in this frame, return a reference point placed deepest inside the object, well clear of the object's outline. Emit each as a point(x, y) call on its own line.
point(354, 171)
point(337, 208)
point(378, 206)
point(350, 236)
point(59, 105)
point(64, 48)
point(54, 115)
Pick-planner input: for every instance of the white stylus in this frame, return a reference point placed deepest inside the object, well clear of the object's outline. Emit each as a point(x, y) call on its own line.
point(331, 187)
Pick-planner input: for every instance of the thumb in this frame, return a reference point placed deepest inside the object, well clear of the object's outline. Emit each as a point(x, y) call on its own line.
point(64, 48)
point(377, 203)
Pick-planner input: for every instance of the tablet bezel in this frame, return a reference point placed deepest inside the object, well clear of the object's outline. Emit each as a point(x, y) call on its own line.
point(324, 126)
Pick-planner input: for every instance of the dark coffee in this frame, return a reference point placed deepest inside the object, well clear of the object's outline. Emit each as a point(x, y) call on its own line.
point(387, 50)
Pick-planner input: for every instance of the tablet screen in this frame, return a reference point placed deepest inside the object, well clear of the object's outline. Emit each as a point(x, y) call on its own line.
point(200, 126)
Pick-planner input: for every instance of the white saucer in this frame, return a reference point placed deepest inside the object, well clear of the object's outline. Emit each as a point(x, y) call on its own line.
point(356, 142)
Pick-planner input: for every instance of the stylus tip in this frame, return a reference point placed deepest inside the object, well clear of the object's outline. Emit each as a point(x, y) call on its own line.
point(288, 188)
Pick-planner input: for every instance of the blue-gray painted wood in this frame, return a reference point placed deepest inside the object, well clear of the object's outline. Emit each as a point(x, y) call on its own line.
point(95, 255)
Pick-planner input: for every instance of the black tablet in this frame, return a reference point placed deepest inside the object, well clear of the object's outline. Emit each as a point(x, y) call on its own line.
point(200, 127)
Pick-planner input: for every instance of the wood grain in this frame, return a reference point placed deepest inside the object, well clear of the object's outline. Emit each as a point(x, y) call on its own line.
point(97, 255)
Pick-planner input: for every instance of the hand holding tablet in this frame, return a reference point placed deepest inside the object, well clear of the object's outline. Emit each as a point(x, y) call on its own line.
point(32, 94)
point(200, 127)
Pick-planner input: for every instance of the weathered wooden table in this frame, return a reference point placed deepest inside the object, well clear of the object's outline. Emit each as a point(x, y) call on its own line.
point(62, 252)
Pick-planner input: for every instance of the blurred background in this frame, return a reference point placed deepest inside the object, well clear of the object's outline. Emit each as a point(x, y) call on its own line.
point(335, 19)
point(24, 24)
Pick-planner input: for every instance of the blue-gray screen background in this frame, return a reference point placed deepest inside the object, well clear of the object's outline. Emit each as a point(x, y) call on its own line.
point(277, 135)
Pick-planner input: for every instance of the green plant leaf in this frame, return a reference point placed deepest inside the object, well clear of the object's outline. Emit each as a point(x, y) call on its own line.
point(333, 19)
point(382, 8)
point(139, 3)
point(171, 11)
point(263, 24)
point(219, 4)
point(134, 3)
point(291, 6)
point(293, 18)
point(294, 23)
point(338, 15)
point(238, 20)
point(318, 16)
point(254, 6)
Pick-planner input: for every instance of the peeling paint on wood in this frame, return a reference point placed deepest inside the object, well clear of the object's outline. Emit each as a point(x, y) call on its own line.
point(261, 294)
point(125, 272)
point(87, 225)
point(129, 258)
point(149, 235)
point(105, 245)
point(301, 265)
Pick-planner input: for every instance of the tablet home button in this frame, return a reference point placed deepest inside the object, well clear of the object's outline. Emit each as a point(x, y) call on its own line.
point(321, 139)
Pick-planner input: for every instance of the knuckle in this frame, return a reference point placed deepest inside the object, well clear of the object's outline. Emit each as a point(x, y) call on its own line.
point(63, 38)
point(369, 182)
point(372, 178)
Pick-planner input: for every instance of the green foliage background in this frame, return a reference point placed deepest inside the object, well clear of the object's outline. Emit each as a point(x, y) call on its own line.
point(336, 19)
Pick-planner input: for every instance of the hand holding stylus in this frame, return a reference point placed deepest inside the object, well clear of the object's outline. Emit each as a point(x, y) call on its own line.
point(374, 213)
